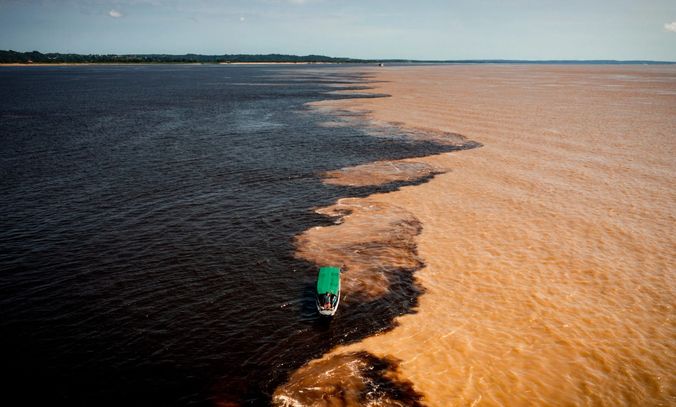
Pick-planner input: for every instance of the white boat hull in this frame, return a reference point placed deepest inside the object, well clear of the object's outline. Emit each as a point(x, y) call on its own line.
point(329, 312)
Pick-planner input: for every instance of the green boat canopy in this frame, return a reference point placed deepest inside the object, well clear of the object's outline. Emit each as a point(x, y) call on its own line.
point(328, 280)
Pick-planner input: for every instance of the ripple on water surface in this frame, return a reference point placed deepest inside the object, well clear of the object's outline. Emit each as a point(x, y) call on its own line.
point(148, 224)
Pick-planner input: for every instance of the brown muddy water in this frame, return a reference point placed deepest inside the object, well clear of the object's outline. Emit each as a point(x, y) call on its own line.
point(547, 256)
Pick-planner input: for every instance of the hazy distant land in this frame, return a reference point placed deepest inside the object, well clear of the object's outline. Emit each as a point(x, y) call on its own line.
point(36, 57)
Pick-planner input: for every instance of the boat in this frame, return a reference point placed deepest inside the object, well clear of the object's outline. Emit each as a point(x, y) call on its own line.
point(327, 296)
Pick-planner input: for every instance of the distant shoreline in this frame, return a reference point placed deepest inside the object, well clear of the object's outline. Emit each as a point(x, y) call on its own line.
point(168, 63)
point(55, 58)
point(375, 64)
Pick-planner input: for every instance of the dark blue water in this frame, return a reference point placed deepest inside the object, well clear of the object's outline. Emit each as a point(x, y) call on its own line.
point(147, 216)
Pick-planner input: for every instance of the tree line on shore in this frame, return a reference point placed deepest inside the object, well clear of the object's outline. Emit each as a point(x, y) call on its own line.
point(15, 57)
point(8, 57)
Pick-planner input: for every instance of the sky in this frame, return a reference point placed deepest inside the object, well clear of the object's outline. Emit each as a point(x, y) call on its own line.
point(422, 29)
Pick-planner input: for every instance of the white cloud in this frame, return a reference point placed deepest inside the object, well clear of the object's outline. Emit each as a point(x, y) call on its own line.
point(115, 14)
point(242, 19)
point(670, 26)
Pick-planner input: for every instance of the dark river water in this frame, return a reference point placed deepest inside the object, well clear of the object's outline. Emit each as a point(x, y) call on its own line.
point(147, 216)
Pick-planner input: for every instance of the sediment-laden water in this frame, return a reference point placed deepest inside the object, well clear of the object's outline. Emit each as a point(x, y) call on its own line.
point(148, 231)
point(549, 253)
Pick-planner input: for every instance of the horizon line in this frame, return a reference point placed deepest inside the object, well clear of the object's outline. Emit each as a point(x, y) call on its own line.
point(346, 59)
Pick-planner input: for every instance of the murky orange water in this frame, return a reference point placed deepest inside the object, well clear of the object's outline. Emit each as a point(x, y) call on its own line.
point(550, 252)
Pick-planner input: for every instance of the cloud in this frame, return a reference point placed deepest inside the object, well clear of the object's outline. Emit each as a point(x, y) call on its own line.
point(115, 13)
point(670, 26)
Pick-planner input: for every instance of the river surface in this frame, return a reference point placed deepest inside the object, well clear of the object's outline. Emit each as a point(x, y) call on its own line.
point(549, 254)
point(161, 226)
point(147, 225)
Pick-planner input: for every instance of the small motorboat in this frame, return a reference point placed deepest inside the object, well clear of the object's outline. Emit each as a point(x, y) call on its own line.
point(328, 290)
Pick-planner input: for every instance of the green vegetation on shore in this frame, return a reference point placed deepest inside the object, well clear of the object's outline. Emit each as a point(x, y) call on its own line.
point(15, 57)
point(8, 57)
